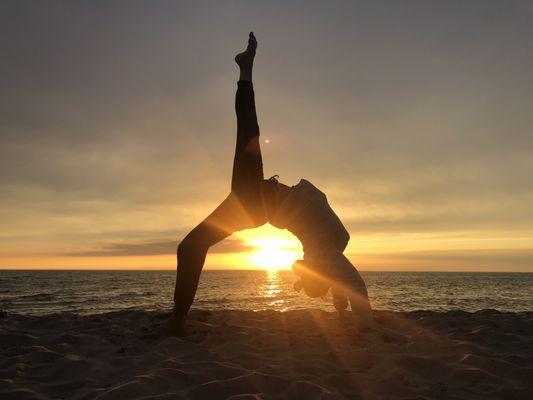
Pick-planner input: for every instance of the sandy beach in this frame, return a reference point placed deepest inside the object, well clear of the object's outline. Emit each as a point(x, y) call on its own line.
point(307, 354)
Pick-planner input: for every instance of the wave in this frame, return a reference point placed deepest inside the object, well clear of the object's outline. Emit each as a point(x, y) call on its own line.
point(38, 297)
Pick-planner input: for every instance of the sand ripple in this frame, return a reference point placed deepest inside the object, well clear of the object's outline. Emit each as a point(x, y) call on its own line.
point(305, 354)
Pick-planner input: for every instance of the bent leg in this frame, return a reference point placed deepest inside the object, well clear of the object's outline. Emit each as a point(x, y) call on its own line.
point(230, 216)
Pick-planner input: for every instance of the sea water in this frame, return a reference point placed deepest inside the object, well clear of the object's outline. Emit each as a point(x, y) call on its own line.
point(87, 292)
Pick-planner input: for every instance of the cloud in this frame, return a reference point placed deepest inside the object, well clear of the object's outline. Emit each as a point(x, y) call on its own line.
point(120, 119)
point(475, 259)
point(157, 248)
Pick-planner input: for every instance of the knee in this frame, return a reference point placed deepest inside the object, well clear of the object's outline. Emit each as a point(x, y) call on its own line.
point(189, 245)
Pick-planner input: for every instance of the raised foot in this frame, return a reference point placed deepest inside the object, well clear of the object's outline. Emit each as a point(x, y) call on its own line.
point(245, 59)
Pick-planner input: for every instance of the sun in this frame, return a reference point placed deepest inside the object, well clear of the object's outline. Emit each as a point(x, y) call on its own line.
point(269, 256)
point(274, 249)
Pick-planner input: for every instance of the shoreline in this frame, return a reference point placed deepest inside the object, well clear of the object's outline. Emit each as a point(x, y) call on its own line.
point(267, 354)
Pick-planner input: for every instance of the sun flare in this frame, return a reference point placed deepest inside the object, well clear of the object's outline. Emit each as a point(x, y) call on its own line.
point(273, 258)
point(274, 249)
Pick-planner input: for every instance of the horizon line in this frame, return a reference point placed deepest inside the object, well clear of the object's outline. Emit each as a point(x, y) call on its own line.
point(254, 269)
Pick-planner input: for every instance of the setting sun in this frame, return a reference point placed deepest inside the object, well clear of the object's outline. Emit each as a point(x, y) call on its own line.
point(274, 249)
point(270, 256)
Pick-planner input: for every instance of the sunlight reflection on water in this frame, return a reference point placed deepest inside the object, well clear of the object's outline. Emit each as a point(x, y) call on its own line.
point(272, 289)
point(41, 292)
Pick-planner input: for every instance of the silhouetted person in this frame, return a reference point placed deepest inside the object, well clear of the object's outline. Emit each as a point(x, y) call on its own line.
point(254, 201)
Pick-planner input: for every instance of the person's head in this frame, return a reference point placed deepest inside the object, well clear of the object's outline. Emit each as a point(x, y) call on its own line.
point(310, 282)
point(273, 193)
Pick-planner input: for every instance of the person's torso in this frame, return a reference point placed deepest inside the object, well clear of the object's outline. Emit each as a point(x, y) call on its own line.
point(306, 213)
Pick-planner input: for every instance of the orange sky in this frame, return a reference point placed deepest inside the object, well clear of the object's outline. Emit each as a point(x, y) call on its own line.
point(117, 130)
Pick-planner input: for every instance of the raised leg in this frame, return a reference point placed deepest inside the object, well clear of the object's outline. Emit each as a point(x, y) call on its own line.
point(247, 174)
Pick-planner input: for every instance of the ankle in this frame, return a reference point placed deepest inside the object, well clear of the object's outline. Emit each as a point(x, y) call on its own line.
point(245, 75)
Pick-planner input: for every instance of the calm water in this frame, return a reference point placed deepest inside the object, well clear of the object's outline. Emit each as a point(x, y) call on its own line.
point(42, 292)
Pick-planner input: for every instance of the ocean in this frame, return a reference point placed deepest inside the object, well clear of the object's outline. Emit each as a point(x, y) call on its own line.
point(91, 292)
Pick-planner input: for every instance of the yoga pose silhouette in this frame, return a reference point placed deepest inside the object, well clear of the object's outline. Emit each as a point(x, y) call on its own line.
point(254, 201)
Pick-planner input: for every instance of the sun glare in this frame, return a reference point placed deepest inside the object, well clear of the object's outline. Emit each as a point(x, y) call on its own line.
point(273, 249)
point(272, 257)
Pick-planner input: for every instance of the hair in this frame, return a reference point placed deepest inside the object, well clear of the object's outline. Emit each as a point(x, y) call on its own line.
point(313, 286)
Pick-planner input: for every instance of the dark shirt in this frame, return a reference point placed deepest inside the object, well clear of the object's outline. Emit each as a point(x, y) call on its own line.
point(306, 213)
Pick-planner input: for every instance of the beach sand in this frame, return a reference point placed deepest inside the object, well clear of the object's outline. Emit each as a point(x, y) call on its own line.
point(307, 354)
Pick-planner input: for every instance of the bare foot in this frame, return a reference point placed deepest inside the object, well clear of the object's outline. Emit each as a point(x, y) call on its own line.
point(175, 325)
point(245, 60)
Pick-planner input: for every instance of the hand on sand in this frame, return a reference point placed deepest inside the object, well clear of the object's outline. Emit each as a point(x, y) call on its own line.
point(360, 322)
point(364, 323)
point(245, 60)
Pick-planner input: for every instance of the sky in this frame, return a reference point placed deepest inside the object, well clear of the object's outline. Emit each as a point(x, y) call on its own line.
point(117, 128)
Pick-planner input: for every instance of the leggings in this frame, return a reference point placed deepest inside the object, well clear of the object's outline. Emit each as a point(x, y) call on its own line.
point(242, 209)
